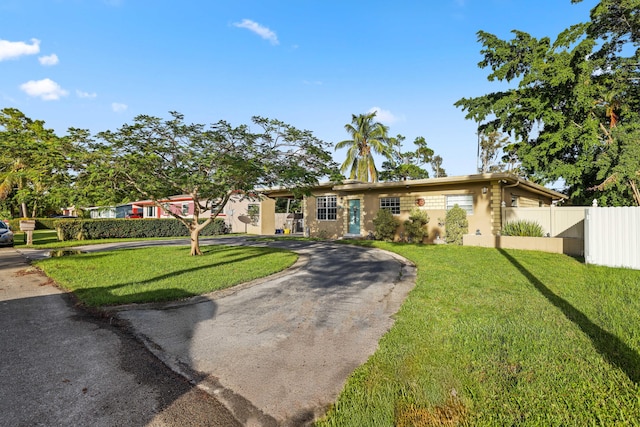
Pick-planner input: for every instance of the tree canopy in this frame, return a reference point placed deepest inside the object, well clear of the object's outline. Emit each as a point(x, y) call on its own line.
point(574, 108)
point(401, 166)
point(35, 165)
point(160, 158)
point(367, 137)
point(490, 146)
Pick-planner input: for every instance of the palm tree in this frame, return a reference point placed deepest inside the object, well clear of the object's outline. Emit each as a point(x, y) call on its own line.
point(368, 137)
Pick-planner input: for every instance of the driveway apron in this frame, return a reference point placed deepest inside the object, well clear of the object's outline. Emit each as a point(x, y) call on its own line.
point(278, 351)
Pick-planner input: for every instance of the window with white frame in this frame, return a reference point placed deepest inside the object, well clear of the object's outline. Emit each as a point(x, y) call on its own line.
point(391, 203)
point(151, 211)
point(184, 209)
point(465, 201)
point(326, 208)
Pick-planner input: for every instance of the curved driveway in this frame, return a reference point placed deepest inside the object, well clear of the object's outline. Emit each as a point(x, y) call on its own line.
point(277, 351)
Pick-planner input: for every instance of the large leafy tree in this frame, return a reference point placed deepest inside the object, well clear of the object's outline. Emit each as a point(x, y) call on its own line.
point(402, 165)
point(34, 165)
point(367, 137)
point(160, 158)
point(574, 106)
point(97, 179)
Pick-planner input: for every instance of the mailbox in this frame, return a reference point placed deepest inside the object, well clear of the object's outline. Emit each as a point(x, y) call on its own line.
point(28, 225)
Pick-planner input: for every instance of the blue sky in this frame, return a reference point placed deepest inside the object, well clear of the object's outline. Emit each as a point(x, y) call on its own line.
point(96, 64)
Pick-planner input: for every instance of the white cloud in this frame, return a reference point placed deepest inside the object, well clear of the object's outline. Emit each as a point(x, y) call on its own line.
point(49, 60)
point(13, 50)
point(118, 107)
point(260, 30)
point(81, 94)
point(46, 89)
point(385, 116)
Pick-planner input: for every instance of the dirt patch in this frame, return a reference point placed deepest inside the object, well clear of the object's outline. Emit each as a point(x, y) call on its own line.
point(452, 413)
point(27, 271)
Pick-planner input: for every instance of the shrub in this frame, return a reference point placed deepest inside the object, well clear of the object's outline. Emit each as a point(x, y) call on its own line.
point(90, 229)
point(456, 225)
point(522, 228)
point(414, 226)
point(385, 225)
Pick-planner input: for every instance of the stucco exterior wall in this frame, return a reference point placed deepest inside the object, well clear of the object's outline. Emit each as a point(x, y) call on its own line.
point(266, 220)
point(331, 229)
point(434, 204)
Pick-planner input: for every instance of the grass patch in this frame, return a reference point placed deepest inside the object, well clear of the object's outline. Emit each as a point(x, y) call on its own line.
point(161, 273)
point(494, 337)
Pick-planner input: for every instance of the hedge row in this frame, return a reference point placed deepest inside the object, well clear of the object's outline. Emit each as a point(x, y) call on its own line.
point(41, 223)
point(90, 229)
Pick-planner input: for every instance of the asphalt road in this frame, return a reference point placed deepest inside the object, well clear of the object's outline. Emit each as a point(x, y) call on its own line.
point(276, 351)
point(60, 366)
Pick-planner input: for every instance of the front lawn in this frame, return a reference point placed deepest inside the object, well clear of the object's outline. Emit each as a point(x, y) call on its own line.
point(161, 273)
point(493, 337)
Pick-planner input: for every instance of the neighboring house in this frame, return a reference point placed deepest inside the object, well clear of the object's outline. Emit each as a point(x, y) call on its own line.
point(120, 211)
point(348, 209)
point(242, 215)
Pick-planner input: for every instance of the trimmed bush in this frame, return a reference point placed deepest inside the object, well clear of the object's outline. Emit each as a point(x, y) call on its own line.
point(456, 225)
point(414, 226)
point(90, 229)
point(522, 228)
point(385, 225)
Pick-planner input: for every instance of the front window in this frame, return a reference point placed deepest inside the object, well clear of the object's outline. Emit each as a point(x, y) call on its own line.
point(465, 201)
point(151, 211)
point(185, 209)
point(327, 208)
point(391, 203)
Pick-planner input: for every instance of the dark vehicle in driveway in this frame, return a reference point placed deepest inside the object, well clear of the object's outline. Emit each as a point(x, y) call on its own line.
point(6, 235)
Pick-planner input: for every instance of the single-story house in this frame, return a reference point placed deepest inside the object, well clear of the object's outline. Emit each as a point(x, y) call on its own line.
point(347, 209)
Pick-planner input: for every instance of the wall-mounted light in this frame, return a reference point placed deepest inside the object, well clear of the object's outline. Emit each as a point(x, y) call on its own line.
point(484, 190)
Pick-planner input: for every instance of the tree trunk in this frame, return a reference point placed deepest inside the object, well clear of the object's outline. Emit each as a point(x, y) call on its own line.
point(24, 213)
point(195, 241)
point(636, 192)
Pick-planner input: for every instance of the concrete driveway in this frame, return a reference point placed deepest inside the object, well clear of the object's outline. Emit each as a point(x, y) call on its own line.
point(278, 351)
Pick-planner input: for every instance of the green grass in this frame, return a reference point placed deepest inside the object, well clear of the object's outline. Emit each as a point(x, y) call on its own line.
point(161, 273)
point(493, 337)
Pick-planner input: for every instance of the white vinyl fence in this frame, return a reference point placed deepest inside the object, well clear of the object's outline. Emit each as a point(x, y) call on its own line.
point(612, 237)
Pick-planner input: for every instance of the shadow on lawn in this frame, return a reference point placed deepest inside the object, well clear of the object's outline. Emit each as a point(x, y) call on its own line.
point(615, 351)
point(105, 294)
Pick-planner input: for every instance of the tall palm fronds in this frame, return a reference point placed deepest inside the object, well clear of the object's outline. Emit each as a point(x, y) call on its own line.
point(367, 137)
